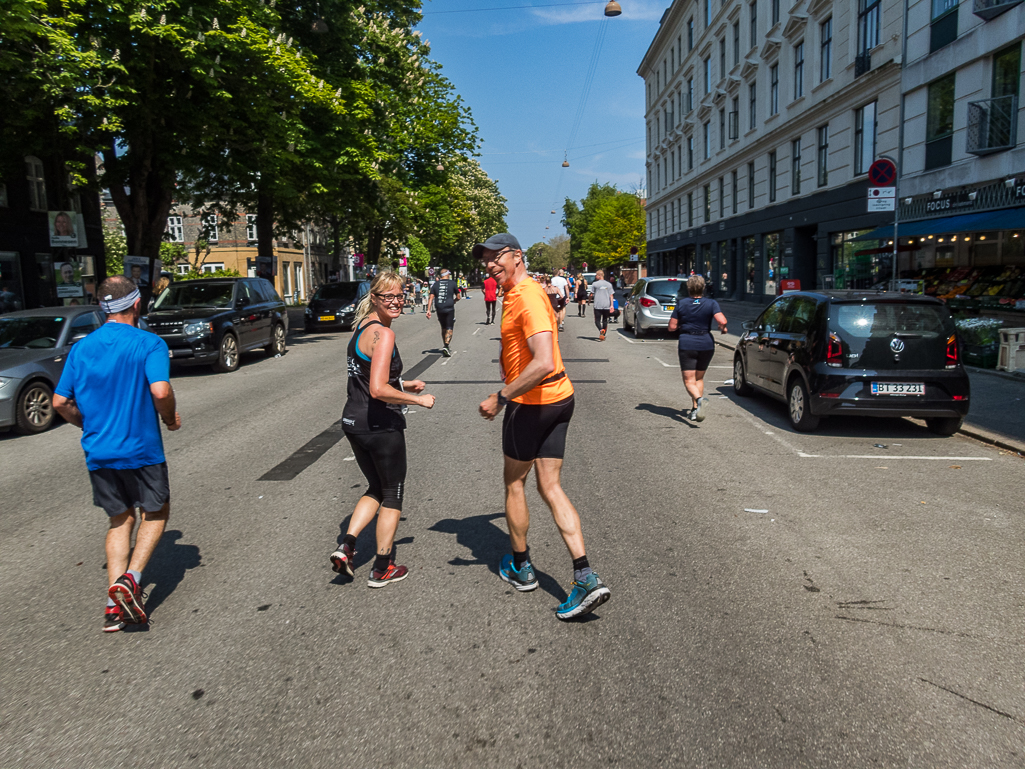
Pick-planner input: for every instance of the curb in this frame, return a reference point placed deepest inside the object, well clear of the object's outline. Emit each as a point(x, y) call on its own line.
point(971, 432)
point(1018, 375)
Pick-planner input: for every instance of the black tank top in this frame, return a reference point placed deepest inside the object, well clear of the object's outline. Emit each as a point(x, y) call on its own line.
point(364, 413)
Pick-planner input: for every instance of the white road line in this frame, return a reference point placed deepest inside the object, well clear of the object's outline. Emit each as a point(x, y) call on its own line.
point(349, 459)
point(445, 362)
point(475, 332)
point(888, 458)
point(667, 365)
point(729, 367)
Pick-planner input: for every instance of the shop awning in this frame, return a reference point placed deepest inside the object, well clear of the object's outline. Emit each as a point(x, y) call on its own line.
point(984, 221)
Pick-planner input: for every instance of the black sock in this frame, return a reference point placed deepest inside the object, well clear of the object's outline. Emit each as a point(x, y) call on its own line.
point(581, 569)
point(381, 562)
point(349, 540)
point(520, 558)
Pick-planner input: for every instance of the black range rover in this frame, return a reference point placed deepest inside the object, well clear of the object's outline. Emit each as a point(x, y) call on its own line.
point(213, 321)
point(856, 352)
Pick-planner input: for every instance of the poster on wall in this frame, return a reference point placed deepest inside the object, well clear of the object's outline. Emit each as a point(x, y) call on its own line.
point(137, 270)
point(63, 228)
point(69, 279)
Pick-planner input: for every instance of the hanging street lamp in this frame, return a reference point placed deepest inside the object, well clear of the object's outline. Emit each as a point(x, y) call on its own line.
point(613, 9)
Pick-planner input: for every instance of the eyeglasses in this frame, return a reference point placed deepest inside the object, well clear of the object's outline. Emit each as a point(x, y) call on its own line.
point(389, 298)
point(496, 255)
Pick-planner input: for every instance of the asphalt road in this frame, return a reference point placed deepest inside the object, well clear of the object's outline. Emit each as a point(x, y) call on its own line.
point(873, 616)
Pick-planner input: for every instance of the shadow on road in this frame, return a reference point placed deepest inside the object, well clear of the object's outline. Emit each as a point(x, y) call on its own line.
point(664, 411)
point(167, 567)
point(301, 339)
point(204, 370)
point(488, 543)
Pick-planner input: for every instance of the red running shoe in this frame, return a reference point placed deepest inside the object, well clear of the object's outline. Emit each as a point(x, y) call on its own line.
point(112, 621)
point(341, 560)
point(392, 574)
point(128, 596)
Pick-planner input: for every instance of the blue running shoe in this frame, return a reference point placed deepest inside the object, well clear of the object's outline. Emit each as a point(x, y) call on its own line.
point(584, 598)
point(523, 580)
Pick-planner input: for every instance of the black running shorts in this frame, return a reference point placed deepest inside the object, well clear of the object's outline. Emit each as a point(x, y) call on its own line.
point(447, 319)
point(118, 491)
point(382, 459)
point(533, 432)
point(695, 360)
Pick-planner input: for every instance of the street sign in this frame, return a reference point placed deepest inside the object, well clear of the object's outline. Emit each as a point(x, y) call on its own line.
point(430, 271)
point(357, 261)
point(876, 205)
point(882, 192)
point(882, 173)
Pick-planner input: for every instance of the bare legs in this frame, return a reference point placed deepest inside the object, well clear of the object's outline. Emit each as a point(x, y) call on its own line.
point(119, 541)
point(446, 336)
point(387, 522)
point(549, 485)
point(694, 381)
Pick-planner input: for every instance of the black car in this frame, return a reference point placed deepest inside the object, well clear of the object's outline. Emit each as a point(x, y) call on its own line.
point(856, 352)
point(333, 306)
point(214, 320)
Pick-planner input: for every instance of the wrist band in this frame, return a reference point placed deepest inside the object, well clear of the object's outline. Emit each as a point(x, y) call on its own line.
point(502, 400)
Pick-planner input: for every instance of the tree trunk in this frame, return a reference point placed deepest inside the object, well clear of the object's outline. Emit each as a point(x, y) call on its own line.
point(265, 221)
point(374, 239)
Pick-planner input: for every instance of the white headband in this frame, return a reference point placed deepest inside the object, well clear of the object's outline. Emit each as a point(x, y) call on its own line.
point(114, 306)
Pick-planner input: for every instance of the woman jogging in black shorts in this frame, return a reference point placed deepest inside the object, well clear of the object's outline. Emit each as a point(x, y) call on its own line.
point(581, 295)
point(693, 318)
point(374, 423)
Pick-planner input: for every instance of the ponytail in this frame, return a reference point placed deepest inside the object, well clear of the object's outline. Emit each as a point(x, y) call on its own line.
point(381, 281)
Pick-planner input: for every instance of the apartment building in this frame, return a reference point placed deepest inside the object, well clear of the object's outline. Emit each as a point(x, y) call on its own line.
point(763, 117)
point(961, 194)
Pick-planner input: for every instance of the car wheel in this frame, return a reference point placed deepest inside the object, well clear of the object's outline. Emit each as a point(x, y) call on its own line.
point(740, 383)
point(944, 425)
point(277, 344)
point(34, 410)
point(227, 358)
point(799, 406)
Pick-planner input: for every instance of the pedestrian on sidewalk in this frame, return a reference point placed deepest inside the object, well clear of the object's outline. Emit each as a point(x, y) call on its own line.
point(374, 423)
point(538, 398)
point(581, 295)
point(693, 319)
point(443, 297)
point(115, 386)
point(603, 296)
point(490, 300)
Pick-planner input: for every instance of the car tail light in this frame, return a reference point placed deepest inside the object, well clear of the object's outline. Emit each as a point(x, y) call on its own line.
point(959, 397)
point(646, 302)
point(830, 395)
point(834, 352)
point(952, 352)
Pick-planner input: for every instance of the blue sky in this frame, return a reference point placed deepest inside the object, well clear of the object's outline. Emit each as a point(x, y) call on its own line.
point(523, 72)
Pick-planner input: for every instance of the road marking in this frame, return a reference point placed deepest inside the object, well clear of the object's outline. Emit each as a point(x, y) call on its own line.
point(667, 365)
point(305, 456)
point(889, 458)
point(475, 332)
point(349, 459)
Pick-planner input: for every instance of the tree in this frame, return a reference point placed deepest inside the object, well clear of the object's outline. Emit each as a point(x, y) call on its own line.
point(419, 256)
point(549, 257)
point(577, 219)
point(616, 225)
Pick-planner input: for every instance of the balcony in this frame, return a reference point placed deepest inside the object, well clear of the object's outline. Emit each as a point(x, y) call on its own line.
point(862, 63)
point(992, 125)
point(990, 9)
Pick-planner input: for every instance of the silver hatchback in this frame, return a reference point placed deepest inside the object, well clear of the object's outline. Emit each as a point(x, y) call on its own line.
point(651, 304)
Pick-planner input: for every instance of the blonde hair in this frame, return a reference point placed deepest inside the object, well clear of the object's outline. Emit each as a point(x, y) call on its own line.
point(695, 285)
point(382, 281)
point(162, 282)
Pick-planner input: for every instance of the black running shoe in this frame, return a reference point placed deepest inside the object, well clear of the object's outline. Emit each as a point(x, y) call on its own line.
point(128, 596)
point(341, 560)
point(112, 621)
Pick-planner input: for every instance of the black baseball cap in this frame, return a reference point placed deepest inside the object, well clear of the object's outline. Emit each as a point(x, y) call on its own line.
point(496, 243)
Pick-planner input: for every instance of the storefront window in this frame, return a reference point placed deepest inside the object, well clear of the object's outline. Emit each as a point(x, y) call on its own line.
point(722, 272)
point(860, 264)
point(11, 295)
point(771, 262)
point(750, 256)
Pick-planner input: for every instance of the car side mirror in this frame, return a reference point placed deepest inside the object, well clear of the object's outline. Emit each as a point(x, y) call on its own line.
point(77, 338)
point(748, 325)
point(241, 302)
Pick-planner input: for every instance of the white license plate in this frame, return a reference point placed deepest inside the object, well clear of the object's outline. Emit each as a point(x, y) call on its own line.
point(669, 307)
point(898, 388)
point(327, 317)
point(170, 353)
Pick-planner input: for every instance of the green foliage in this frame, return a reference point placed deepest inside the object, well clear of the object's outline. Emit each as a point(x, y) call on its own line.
point(197, 275)
point(616, 224)
point(116, 247)
point(419, 256)
point(577, 220)
point(171, 254)
point(549, 257)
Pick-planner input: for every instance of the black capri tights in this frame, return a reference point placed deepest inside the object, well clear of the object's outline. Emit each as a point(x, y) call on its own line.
point(382, 459)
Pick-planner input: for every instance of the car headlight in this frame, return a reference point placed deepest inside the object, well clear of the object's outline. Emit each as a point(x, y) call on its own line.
point(4, 380)
point(199, 328)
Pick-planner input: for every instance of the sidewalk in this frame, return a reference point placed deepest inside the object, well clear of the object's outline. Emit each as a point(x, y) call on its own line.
point(997, 413)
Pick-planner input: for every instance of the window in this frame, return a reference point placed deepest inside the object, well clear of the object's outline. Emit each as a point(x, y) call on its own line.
point(690, 94)
point(733, 190)
point(1007, 71)
point(722, 129)
point(690, 209)
point(722, 197)
point(708, 141)
point(772, 176)
point(735, 119)
point(175, 229)
point(212, 266)
point(672, 60)
point(679, 49)
point(665, 171)
point(708, 74)
point(943, 27)
point(826, 50)
point(868, 25)
point(754, 23)
point(775, 12)
point(672, 164)
point(736, 43)
point(672, 216)
point(799, 70)
point(795, 167)
point(939, 123)
point(708, 13)
point(85, 324)
point(665, 73)
point(822, 157)
point(750, 186)
point(722, 57)
point(774, 89)
point(708, 203)
point(183, 269)
point(690, 34)
point(864, 138)
point(658, 84)
point(251, 235)
point(752, 95)
point(658, 130)
point(36, 178)
point(210, 228)
point(690, 153)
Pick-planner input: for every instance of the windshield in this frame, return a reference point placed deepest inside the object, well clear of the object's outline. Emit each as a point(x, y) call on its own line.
point(865, 320)
point(185, 295)
point(665, 290)
point(33, 333)
point(344, 291)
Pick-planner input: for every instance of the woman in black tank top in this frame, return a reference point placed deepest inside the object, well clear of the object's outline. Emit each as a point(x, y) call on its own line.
point(374, 423)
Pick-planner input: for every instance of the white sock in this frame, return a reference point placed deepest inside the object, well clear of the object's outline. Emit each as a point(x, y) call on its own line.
point(136, 575)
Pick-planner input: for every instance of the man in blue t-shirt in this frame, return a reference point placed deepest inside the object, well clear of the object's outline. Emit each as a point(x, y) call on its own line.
point(115, 386)
point(693, 319)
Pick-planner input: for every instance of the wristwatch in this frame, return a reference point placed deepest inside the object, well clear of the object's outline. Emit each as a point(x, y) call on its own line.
point(502, 400)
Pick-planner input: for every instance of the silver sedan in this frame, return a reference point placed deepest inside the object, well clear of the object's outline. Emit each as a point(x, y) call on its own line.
point(651, 303)
point(34, 345)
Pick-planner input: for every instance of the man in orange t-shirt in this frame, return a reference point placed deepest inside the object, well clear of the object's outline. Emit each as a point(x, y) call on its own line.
point(538, 399)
